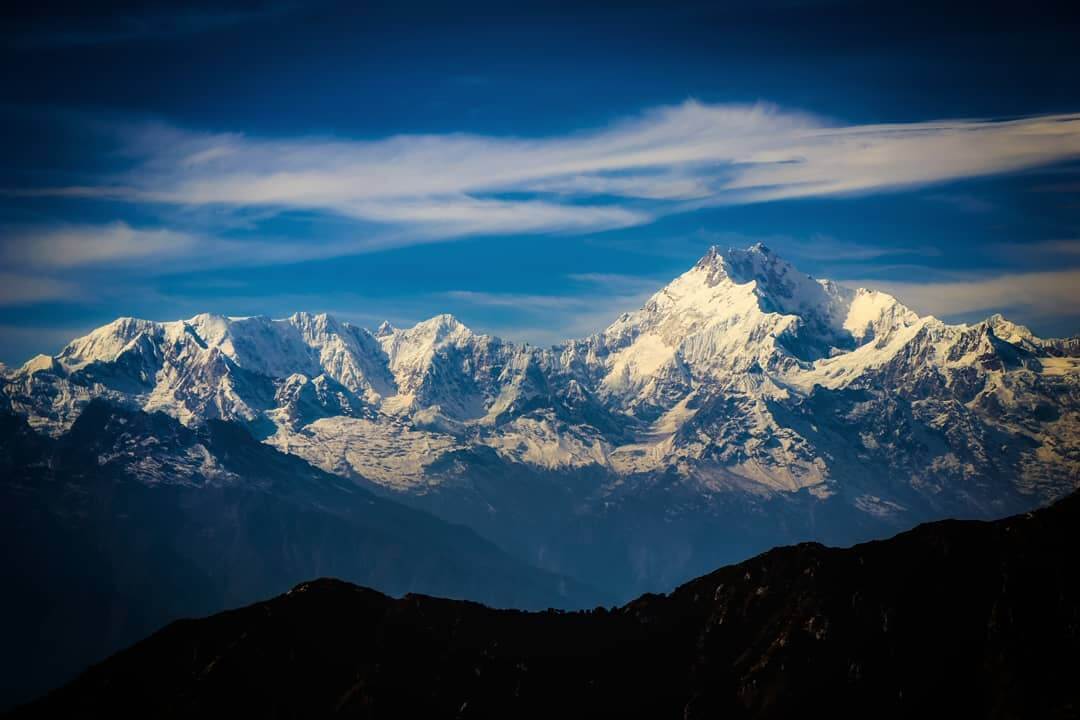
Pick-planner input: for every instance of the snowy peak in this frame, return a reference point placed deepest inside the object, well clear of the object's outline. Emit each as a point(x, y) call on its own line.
point(439, 347)
point(316, 327)
point(1011, 332)
point(755, 272)
point(105, 343)
point(756, 263)
point(869, 315)
point(441, 328)
point(413, 345)
point(829, 313)
point(776, 282)
point(270, 347)
point(1021, 336)
point(40, 363)
point(781, 288)
point(743, 308)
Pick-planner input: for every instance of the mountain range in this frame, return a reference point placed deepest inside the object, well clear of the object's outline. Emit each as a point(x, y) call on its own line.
point(952, 619)
point(745, 405)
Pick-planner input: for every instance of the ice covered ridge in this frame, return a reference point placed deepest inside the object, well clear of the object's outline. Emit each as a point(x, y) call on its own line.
point(741, 374)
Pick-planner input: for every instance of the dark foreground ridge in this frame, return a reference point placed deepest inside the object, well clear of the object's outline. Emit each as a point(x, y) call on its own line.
point(968, 619)
point(104, 539)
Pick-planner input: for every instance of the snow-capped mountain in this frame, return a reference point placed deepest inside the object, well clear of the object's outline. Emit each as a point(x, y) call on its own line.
point(740, 386)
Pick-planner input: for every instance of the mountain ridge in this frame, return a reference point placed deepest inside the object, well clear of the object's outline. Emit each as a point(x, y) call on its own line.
point(972, 619)
point(131, 520)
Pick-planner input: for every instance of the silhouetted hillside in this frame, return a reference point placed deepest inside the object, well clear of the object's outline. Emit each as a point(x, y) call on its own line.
point(960, 619)
point(131, 521)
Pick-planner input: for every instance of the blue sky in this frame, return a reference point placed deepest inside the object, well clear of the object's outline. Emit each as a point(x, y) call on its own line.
point(533, 168)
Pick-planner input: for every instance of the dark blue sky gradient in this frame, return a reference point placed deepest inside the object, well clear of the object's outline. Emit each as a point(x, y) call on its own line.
point(371, 70)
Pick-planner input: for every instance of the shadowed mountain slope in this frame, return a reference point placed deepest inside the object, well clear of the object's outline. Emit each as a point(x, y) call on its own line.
point(132, 520)
point(954, 618)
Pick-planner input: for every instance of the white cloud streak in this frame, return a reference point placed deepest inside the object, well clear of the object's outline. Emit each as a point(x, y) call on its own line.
point(25, 289)
point(82, 245)
point(670, 159)
point(60, 248)
point(1058, 249)
point(1035, 295)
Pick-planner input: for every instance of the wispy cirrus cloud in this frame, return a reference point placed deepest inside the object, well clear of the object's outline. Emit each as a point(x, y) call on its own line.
point(668, 160)
point(1028, 296)
point(964, 202)
point(23, 289)
point(69, 246)
point(517, 301)
point(621, 284)
point(1061, 249)
point(551, 319)
point(65, 247)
